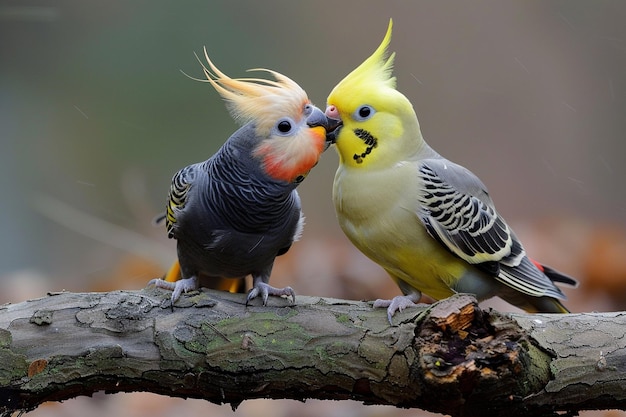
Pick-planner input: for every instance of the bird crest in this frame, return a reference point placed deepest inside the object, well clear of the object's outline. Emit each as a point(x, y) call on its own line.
point(375, 70)
point(257, 99)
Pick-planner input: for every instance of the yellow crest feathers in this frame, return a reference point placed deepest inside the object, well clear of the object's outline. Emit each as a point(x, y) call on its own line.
point(256, 99)
point(377, 69)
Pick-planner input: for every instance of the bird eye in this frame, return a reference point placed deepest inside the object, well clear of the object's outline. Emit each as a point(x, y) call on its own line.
point(364, 112)
point(284, 126)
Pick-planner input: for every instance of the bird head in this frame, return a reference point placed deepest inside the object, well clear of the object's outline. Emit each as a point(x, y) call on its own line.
point(378, 122)
point(290, 132)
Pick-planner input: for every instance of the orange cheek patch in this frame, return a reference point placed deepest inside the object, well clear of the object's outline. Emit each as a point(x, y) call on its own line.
point(276, 168)
point(285, 160)
point(319, 133)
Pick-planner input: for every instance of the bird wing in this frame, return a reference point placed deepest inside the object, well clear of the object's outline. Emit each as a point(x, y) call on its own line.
point(177, 197)
point(458, 212)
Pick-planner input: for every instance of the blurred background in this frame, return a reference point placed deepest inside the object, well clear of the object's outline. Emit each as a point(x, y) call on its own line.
point(96, 116)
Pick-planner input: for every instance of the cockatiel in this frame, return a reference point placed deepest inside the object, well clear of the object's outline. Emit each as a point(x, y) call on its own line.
point(429, 222)
point(234, 213)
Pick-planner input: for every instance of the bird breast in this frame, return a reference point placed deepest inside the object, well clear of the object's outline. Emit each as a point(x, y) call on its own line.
point(377, 206)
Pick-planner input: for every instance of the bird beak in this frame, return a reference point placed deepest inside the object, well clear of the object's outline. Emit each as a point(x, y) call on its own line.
point(335, 124)
point(331, 135)
point(318, 118)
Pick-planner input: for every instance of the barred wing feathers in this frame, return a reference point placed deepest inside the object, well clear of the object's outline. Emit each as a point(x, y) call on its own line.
point(458, 212)
point(177, 198)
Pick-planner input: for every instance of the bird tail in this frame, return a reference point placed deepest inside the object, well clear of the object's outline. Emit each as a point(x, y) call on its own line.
point(173, 274)
point(223, 284)
point(545, 305)
point(532, 304)
point(556, 276)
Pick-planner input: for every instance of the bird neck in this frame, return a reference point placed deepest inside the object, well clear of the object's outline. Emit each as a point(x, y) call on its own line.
point(413, 143)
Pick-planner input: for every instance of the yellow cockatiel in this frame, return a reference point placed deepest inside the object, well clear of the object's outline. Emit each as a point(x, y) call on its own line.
point(429, 222)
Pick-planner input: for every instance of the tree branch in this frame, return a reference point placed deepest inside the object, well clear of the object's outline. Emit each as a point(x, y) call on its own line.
point(450, 358)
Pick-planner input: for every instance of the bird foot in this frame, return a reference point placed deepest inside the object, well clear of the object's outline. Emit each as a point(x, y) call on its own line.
point(397, 303)
point(177, 288)
point(265, 290)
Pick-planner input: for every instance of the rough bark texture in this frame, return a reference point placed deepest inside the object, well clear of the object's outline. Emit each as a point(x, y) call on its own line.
point(450, 358)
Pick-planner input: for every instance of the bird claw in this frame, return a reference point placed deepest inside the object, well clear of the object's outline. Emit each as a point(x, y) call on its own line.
point(177, 288)
point(265, 290)
point(397, 303)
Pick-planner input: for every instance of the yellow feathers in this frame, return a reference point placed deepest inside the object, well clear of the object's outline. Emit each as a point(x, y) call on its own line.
point(427, 221)
point(375, 70)
point(263, 101)
point(379, 123)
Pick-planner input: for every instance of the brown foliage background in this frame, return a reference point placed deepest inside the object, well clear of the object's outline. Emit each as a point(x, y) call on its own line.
point(96, 117)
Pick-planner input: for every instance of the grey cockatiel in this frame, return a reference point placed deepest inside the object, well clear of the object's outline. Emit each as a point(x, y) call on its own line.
point(429, 222)
point(235, 212)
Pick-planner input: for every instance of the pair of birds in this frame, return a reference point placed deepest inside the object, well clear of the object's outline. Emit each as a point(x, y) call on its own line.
point(429, 222)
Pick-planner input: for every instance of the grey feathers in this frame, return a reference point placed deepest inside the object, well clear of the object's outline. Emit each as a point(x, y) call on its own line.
point(458, 212)
point(230, 219)
point(466, 223)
